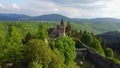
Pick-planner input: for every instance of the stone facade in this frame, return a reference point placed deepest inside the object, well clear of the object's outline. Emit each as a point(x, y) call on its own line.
point(58, 31)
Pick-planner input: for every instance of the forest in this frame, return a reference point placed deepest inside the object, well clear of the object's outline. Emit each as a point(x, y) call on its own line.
point(28, 45)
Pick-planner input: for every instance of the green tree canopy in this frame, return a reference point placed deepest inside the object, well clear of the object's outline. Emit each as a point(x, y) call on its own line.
point(66, 47)
point(87, 38)
point(13, 47)
point(38, 51)
point(92, 42)
point(42, 33)
point(97, 46)
point(1, 48)
point(68, 29)
point(109, 52)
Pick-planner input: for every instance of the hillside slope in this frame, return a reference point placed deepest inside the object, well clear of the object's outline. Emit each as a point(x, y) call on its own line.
point(112, 39)
point(97, 28)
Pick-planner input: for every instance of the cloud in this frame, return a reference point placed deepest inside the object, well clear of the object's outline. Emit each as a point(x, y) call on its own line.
point(56, 9)
point(110, 9)
point(1, 6)
point(77, 8)
point(48, 7)
point(70, 8)
point(76, 1)
point(15, 6)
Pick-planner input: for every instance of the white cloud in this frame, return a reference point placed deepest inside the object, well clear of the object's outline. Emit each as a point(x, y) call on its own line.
point(15, 6)
point(1, 6)
point(101, 9)
point(56, 9)
point(110, 9)
point(96, 8)
point(43, 7)
point(70, 11)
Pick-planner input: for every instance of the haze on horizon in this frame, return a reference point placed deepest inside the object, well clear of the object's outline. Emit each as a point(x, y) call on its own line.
point(70, 8)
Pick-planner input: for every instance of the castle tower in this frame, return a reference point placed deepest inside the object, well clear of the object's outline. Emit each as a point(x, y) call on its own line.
point(61, 28)
point(58, 31)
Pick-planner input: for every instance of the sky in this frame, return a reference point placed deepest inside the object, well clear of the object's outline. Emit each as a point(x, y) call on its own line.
point(69, 8)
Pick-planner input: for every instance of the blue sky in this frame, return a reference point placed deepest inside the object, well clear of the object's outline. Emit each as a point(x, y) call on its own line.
point(70, 8)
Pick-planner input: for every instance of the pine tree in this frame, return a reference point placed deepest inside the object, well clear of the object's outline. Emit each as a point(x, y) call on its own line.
point(14, 45)
point(68, 29)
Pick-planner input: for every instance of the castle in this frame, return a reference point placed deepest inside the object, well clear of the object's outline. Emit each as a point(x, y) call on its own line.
point(58, 31)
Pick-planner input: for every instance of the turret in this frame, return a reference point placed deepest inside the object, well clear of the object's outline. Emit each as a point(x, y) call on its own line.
point(62, 28)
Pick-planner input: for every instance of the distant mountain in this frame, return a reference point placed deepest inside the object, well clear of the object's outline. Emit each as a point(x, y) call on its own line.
point(115, 45)
point(112, 39)
point(107, 20)
point(13, 17)
point(50, 17)
point(54, 17)
point(97, 20)
point(18, 17)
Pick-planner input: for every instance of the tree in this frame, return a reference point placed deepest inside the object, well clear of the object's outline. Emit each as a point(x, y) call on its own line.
point(1, 40)
point(109, 52)
point(66, 47)
point(92, 42)
point(68, 29)
point(1, 48)
point(57, 61)
point(14, 45)
point(35, 65)
point(42, 33)
point(87, 38)
point(38, 51)
point(97, 46)
point(28, 37)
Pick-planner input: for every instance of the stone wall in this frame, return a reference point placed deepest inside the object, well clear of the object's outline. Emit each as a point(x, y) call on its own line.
point(100, 61)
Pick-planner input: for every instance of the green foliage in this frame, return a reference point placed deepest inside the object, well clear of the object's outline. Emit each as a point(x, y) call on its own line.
point(59, 54)
point(115, 60)
point(96, 28)
point(42, 33)
point(12, 49)
point(87, 38)
point(27, 38)
point(92, 42)
point(57, 61)
point(68, 29)
point(109, 52)
point(35, 65)
point(1, 49)
point(66, 47)
point(1, 40)
point(97, 46)
point(15, 44)
point(37, 50)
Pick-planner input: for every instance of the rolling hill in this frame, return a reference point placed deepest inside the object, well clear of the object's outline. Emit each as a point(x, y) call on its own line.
point(54, 17)
point(112, 39)
point(18, 17)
